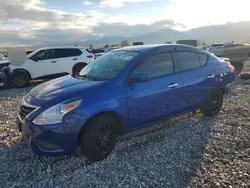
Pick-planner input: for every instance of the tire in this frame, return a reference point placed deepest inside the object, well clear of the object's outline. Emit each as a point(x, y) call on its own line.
point(20, 78)
point(77, 68)
point(98, 137)
point(7, 84)
point(213, 103)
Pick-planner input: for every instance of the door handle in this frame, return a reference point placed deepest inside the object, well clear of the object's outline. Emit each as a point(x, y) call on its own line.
point(74, 59)
point(173, 85)
point(211, 76)
point(53, 62)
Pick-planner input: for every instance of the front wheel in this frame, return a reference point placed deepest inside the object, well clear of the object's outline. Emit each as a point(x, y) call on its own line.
point(98, 137)
point(213, 104)
point(20, 78)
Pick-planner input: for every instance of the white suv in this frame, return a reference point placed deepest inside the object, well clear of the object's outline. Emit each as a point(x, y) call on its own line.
point(51, 61)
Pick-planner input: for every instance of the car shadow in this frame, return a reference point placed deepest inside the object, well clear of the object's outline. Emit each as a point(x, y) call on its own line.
point(173, 153)
point(163, 155)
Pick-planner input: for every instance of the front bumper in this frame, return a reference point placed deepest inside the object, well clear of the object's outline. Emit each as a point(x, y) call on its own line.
point(5, 77)
point(2, 77)
point(52, 140)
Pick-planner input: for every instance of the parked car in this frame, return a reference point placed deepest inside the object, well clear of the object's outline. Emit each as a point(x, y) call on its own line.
point(204, 47)
point(29, 51)
point(2, 57)
point(121, 91)
point(5, 74)
point(234, 51)
point(137, 43)
point(98, 55)
point(51, 61)
point(96, 51)
point(216, 48)
point(108, 50)
point(112, 48)
point(188, 42)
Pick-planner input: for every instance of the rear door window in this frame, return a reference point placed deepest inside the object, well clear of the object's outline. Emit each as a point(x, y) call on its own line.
point(68, 52)
point(187, 60)
point(75, 52)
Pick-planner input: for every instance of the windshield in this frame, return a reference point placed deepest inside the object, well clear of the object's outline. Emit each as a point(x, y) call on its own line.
point(108, 65)
point(32, 53)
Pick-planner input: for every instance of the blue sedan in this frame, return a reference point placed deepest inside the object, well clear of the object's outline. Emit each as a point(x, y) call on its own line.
point(121, 91)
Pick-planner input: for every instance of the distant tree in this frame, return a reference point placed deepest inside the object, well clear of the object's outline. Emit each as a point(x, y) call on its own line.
point(91, 46)
point(114, 45)
point(125, 43)
point(106, 46)
point(169, 42)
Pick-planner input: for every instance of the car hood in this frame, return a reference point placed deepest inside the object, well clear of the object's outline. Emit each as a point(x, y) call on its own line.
point(63, 88)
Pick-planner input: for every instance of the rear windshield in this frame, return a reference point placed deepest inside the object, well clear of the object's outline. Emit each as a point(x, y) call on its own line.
point(108, 65)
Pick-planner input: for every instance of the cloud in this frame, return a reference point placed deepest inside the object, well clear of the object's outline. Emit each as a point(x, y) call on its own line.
point(87, 3)
point(202, 12)
point(43, 35)
point(32, 10)
point(30, 22)
point(121, 28)
point(29, 18)
point(119, 3)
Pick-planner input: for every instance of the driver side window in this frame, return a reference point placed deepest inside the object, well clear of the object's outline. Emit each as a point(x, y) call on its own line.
point(44, 54)
point(157, 65)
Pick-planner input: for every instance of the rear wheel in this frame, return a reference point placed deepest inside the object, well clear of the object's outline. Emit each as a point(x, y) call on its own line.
point(98, 137)
point(213, 103)
point(20, 78)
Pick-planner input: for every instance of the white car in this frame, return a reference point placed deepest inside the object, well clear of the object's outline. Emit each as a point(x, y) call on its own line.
point(2, 57)
point(51, 61)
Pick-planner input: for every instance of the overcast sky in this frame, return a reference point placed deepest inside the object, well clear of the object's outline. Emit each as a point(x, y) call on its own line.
point(39, 21)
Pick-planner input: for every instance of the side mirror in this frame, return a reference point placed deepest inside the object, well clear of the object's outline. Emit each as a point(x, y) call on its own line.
point(138, 78)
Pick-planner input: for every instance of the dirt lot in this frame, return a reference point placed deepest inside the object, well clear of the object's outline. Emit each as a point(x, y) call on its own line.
point(188, 151)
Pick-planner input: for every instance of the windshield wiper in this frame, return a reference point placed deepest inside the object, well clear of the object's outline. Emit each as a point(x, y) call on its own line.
point(91, 78)
point(88, 77)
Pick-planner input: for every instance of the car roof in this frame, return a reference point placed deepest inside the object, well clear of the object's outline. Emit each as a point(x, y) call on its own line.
point(143, 48)
point(61, 47)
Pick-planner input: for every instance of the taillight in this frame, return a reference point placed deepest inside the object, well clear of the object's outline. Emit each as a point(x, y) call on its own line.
point(232, 68)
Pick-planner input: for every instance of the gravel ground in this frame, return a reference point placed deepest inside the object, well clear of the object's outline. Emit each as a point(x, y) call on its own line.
point(188, 151)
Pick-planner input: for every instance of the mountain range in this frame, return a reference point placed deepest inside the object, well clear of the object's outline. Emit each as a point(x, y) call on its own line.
point(239, 32)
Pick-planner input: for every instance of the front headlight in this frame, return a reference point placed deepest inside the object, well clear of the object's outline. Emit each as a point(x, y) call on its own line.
point(55, 114)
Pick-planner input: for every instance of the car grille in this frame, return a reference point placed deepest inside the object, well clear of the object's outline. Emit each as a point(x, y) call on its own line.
point(25, 110)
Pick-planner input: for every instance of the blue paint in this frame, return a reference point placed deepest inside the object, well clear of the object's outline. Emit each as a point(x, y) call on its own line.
point(138, 104)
